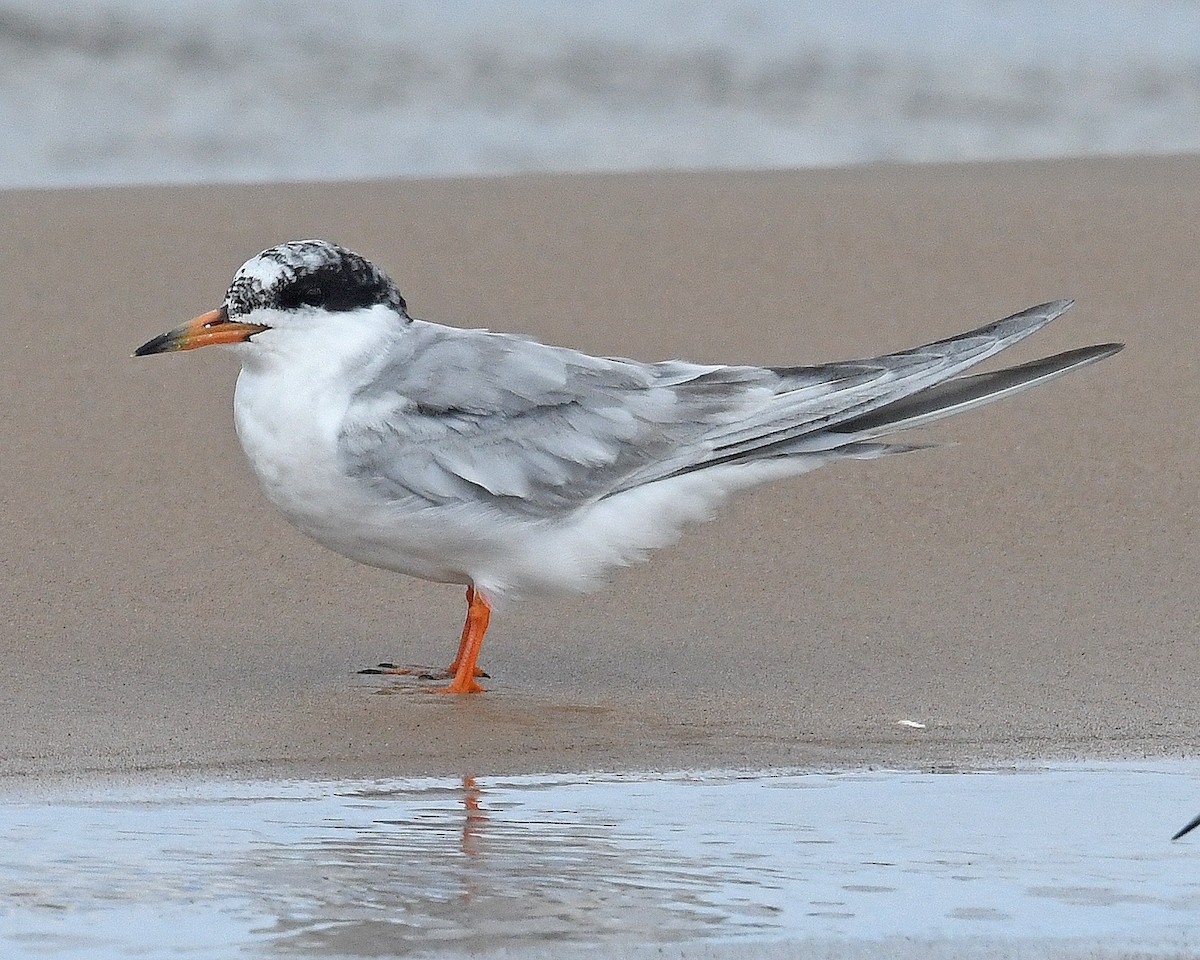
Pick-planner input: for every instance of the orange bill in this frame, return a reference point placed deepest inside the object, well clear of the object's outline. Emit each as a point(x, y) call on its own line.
point(207, 329)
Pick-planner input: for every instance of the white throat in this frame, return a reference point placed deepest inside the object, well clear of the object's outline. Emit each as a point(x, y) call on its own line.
point(296, 383)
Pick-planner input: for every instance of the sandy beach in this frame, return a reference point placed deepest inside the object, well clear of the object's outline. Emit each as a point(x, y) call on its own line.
point(1026, 591)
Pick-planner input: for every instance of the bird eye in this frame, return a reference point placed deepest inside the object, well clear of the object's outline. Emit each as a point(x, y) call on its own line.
point(312, 295)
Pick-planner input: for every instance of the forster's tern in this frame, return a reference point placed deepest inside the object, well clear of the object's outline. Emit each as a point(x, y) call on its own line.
point(495, 461)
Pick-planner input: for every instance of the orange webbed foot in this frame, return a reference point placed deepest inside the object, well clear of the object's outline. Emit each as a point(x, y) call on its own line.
point(464, 669)
point(467, 686)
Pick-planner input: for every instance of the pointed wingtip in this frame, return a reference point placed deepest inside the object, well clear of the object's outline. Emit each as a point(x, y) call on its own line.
point(1045, 312)
point(1015, 327)
point(1081, 356)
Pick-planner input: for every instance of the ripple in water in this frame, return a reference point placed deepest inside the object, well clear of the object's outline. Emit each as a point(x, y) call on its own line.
point(1074, 855)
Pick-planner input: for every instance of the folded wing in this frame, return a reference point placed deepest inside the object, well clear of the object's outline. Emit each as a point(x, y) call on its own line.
point(464, 416)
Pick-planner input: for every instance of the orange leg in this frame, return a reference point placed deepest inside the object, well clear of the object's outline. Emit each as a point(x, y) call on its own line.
point(479, 611)
point(426, 673)
point(466, 634)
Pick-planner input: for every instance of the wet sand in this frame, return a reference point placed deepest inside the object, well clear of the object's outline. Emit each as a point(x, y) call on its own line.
point(1026, 591)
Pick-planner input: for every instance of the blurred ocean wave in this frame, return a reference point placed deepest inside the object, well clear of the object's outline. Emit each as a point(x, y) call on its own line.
point(120, 91)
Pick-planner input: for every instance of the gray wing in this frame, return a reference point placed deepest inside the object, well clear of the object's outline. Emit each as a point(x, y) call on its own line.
point(467, 415)
point(464, 416)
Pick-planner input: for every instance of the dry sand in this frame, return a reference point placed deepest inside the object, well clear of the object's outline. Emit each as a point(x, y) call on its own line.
point(1028, 591)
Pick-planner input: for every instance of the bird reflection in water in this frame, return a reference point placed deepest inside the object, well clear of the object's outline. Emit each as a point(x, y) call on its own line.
point(474, 818)
point(466, 867)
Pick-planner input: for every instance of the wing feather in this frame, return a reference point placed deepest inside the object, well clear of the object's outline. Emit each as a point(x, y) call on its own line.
point(467, 415)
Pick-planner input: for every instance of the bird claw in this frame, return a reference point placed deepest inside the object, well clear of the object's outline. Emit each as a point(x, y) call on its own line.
point(448, 674)
point(392, 669)
point(414, 670)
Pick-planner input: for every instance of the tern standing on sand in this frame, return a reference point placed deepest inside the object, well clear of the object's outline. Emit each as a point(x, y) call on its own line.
point(491, 460)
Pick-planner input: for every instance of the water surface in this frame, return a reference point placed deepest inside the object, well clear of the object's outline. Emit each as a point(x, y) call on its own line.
point(1070, 855)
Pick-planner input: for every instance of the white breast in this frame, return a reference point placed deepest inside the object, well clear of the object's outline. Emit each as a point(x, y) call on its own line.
point(290, 404)
point(288, 427)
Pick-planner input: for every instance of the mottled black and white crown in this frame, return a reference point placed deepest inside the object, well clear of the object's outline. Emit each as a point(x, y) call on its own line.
point(310, 273)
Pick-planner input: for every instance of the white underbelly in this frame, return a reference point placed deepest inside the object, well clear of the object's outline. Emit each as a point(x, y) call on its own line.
point(290, 434)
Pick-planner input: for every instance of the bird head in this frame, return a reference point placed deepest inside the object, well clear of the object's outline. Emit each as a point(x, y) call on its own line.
point(288, 288)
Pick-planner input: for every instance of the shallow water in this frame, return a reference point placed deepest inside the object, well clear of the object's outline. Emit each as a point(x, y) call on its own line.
point(1072, 854)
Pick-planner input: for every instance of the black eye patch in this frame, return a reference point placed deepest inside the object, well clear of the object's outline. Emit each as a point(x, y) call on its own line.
point(344, 285)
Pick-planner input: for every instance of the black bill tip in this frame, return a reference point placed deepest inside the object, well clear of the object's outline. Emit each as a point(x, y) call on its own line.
point(163, 343)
